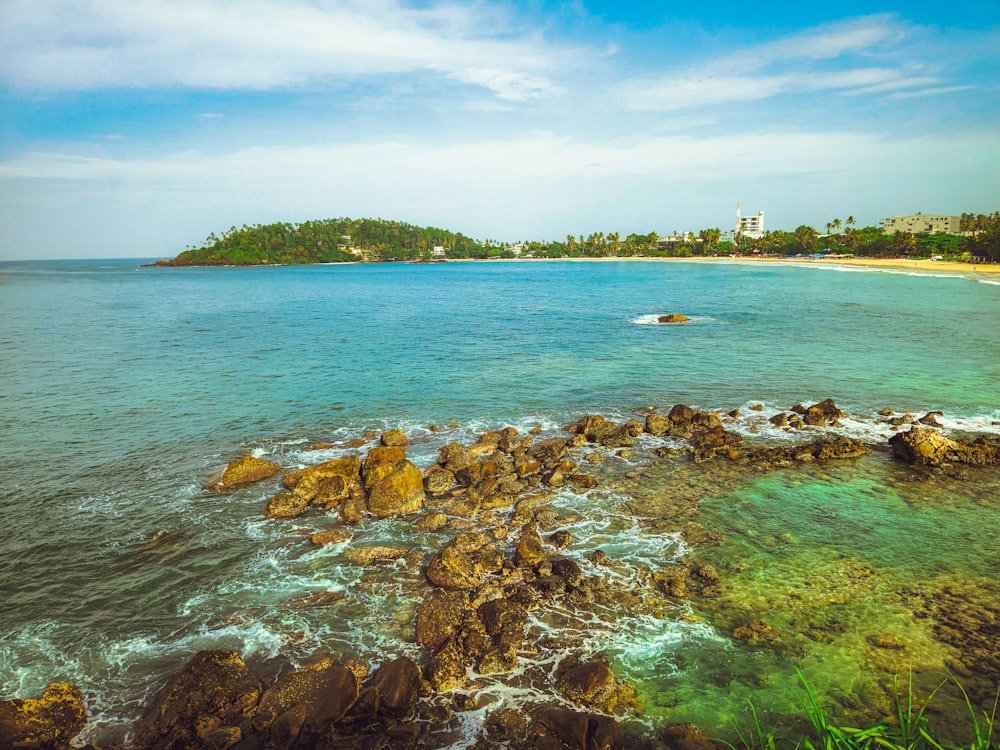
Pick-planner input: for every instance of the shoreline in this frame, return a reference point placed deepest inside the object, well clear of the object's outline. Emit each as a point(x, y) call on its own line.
point(897, 265)
point(892, 264)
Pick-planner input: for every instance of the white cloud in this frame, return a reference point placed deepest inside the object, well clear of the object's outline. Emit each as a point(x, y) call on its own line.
point(788, 66)
point(539, 186)
point(544, 157)
point(263, 44)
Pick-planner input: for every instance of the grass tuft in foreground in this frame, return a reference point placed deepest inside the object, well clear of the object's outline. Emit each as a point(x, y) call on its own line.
point(911, 729)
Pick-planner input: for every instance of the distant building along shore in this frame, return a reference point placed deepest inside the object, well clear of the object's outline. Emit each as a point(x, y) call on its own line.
point(920, 223)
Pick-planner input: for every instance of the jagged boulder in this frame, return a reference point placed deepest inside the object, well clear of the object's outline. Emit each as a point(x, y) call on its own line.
point(925, 446)
point(48, 722)
point(823, 413)
point(401, 491)
point(452, 569)
point(246, 470)
point(673, 318)
point(202, 706)
point(596, 429)
point(658, 424)
point(309, 481)
point(380, 462)
point(439, 617)
point(437, 481)
point(593, 685)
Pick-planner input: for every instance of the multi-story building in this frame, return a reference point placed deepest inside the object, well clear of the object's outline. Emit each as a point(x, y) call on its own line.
point(918, 223)
point(749, 226)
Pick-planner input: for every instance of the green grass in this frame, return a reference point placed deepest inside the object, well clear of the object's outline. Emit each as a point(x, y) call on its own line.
point(911, 729)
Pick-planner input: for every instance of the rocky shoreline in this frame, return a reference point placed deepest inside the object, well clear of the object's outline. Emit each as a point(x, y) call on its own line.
point(499, 564)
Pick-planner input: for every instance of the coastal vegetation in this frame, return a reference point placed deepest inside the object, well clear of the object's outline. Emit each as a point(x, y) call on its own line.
point(908, 728)
point(345, 239)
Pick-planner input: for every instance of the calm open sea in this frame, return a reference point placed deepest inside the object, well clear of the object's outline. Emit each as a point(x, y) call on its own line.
point(122, 388)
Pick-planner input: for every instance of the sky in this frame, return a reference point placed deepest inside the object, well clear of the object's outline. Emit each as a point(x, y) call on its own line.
point(135, 128)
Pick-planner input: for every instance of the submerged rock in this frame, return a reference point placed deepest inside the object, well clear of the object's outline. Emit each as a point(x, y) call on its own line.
point(48, 722)
point(246, 470)
point(756, 632)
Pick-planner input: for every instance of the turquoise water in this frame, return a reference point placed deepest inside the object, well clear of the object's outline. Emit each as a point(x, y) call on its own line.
point(122, 388)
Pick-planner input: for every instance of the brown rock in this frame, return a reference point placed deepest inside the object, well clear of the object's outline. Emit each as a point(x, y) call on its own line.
point(688, 737)
point(400, 492)
point(447, 667)
point(562, 729)
point(394, 689)
point(243, 471)
point(285, 505)
point(657, 424)
point(307, 481)
point(593, 685)
point(214, 691)
point(452, 569)
point(927, 447)
point(369, 555)
point(47, 722)
point(302, 705)
point(321, 446)
point(352, 510)
point(394, 438)
point(439, 617)
point(454, 457)
point(437, 481)
point(380, 462)
point(886, 641)
point(332, 536)
point(756, 632)
point(432, 522)
point(673, 318)
point(529, 552)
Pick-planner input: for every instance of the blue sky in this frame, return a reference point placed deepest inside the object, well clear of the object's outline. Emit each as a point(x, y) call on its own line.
point(134, 128)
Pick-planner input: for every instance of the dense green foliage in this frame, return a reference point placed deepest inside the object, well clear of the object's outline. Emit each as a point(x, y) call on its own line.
point(330, 241)
point(337, 240)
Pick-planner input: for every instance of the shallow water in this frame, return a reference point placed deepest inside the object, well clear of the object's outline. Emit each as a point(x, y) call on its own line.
point(122, 389)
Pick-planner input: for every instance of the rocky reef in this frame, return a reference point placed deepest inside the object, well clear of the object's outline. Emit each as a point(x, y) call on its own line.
point(499, 566)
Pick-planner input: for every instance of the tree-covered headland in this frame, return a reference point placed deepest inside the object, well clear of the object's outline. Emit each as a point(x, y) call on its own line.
point(343, 240)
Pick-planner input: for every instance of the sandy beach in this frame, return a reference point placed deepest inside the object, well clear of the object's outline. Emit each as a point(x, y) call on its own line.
point(894, 264)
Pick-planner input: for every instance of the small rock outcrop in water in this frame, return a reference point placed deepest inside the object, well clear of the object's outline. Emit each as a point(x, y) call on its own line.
point(672, 318)
point(925, 446)
point(49, 722)
point(243, 471)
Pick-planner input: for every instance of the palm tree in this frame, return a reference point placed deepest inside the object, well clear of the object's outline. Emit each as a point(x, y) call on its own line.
point(850, 221)
point(835, 223)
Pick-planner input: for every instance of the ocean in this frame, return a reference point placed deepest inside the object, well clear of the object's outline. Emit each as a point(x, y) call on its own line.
point(123, 388)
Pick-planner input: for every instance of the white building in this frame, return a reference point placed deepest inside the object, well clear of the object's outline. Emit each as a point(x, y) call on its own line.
point(749, 226)
point(438, 251)
point(918, 223)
